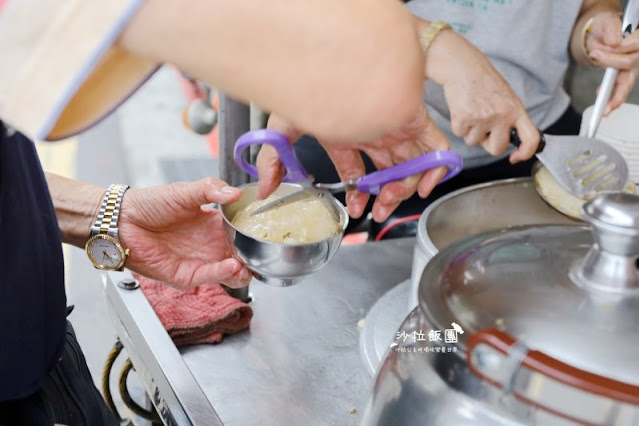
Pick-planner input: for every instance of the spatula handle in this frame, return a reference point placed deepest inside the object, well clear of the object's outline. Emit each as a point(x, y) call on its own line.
point(514, 139)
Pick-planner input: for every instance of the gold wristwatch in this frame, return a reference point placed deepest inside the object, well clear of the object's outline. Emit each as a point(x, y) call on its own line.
point(104, 248)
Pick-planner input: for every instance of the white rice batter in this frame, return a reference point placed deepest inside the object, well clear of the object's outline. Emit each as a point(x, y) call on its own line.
point(301, 222)
point(560, 198)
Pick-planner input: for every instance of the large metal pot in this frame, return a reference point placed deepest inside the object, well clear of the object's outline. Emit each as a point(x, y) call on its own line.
point(460, 214)
point(527, 325)
point(476, 209)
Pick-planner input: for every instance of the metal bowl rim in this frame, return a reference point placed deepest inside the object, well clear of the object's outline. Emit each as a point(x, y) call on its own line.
point(343, 211)
point(423, 237)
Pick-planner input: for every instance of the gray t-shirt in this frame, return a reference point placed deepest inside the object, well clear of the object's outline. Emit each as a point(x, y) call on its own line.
point(527, 41)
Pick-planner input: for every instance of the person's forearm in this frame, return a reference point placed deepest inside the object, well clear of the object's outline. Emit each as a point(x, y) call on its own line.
point(314, 62)
point(76, 207)
point(589, 9)
point(448, 53)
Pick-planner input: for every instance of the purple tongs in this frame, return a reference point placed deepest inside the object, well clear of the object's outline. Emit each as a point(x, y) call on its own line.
point(370, 183)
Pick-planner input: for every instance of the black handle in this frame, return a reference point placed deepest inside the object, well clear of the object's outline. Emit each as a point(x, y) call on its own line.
point(514, 139)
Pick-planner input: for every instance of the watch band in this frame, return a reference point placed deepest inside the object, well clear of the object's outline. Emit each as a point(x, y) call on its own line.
point(107, 220)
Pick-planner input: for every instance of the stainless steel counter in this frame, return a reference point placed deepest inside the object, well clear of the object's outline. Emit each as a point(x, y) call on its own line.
point(300, 362)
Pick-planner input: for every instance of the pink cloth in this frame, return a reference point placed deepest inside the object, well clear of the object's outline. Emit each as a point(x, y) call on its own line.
point(200, 315)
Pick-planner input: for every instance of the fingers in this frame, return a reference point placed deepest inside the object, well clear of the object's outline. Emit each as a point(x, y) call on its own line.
point(609, 49)
point(426, 137)
point(624, 84)
point(498, 141)
point(349, 165)
point(269, 168)
point(228, 271)
point(489, 123)
point(240, 279)
point(431, 139)
point(629, 44)
point(393, 193)
point(422, 136)
point(459, 126)
point(620, 61)
point(607, 29)
point(430, 180)
point(270, 171)
point(477, 135)
point(530, 138)
point(205, 191)
point(493, 135)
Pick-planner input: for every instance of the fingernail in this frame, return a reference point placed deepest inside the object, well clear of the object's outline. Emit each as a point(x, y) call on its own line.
point(607, 111)
point(229, 190)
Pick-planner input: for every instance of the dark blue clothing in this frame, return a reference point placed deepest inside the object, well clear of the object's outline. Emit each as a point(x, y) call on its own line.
point(32, 297)
point(67, 396)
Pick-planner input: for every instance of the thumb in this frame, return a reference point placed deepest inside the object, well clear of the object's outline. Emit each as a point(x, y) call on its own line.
point(608, 29)
point(269, 168)
point(530, 138)
point(430, 137)
point(206, 191)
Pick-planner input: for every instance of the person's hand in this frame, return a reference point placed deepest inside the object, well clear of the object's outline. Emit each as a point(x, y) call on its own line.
point(483, 107)
point(174, 240)
point(420, 136)
point(607, 48)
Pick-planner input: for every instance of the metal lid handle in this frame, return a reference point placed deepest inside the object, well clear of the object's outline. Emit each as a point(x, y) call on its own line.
point(611, 262)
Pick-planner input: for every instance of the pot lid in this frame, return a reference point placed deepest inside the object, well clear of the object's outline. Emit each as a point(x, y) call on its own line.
point(556, 289)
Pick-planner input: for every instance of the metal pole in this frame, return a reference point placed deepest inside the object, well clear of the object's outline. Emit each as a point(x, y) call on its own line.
point(234, 121)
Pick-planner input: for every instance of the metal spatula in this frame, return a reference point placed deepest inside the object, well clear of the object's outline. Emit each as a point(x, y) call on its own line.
point(584, 166)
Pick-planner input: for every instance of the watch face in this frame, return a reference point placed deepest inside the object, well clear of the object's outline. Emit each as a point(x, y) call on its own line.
point(105, 253)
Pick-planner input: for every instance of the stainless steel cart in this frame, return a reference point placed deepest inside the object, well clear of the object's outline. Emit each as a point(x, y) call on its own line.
point(300, 362)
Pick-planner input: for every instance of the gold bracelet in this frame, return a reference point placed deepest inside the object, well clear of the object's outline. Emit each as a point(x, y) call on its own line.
point(428, 35)
point(584, 38)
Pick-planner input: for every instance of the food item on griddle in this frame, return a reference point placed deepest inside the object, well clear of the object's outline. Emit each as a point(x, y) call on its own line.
point(558, 197)
point(308, 220)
